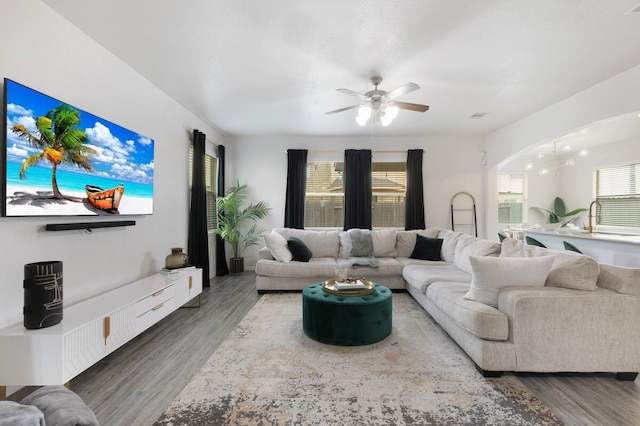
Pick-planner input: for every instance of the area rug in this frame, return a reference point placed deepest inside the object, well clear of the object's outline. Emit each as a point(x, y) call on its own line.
point(268, 372)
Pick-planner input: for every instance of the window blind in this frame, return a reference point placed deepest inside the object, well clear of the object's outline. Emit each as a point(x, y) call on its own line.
point(389, 188)
point(617, 191)
point(211, 172)
point(324, 196)
point(511, 198)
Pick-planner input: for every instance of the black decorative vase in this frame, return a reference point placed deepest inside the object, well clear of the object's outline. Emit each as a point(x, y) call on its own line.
point(42, 294)
point(236, 265)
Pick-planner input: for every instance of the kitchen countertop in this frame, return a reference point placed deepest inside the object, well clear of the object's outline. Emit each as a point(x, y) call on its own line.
point(630, 239)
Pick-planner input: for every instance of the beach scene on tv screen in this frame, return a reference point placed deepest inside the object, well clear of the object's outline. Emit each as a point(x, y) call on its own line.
point(63, 161)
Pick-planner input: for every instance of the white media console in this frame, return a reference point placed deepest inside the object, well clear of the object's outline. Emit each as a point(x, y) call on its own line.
point(91, 329)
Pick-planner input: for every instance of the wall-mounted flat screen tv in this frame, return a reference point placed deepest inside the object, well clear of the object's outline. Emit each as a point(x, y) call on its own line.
point(62, 161)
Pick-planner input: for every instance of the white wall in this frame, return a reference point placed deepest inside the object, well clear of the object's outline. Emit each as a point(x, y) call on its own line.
point(610, 98)
point(43, 51)
point(450, 165)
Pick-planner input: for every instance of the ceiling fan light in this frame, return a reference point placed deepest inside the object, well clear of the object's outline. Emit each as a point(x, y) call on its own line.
point(390, 113)
point(363, 115)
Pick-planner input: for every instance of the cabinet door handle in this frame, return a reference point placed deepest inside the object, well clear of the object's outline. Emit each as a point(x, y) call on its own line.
point(107, 329)
point(158, 307)
point(158, 293)
point(190, 283)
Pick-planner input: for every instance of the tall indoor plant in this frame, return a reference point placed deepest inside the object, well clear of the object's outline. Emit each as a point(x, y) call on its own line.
point(231, 218)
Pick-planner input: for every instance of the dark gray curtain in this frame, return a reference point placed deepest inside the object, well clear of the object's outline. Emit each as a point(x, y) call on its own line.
point(357, 189)
point(414, 202)
point(198, 243)
point(296, 186)
point(221, 257)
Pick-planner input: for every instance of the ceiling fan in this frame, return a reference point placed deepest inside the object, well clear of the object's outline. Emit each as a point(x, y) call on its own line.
point(379, 105)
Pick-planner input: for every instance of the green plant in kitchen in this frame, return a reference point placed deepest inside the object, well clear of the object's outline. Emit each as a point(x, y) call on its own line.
point(559, 214)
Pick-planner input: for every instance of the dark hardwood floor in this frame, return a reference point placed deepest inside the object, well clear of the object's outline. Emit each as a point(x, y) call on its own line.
point(134, 385)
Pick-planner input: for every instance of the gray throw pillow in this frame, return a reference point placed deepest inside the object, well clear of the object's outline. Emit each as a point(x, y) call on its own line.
point(361, 243)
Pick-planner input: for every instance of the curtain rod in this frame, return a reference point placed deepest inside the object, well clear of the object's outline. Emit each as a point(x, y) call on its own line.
point(341, 151)
point(190, 131)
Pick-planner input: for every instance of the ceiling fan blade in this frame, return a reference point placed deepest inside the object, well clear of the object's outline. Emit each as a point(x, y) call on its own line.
point(352, 93)
point(343, 109)
point(402, 90)
point(410, 106)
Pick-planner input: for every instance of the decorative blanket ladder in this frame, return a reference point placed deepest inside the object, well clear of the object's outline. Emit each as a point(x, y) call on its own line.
point(464, 214)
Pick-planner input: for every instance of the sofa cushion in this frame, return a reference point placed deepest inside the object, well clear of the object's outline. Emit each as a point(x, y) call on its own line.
point(476, 318)
point(574, 270)
point(15, 414)
point(315, 267)
point(427, 248)
point(406, 240)
point(299, 250)
point(569, 270)
point(321, 243)
point(384, 242)
point(421, 275)
point(619, 278)
point(361, 243)
point(277, 246)
point(449, 244)
point(471, 246)
point(490, 274)
point(61, 406)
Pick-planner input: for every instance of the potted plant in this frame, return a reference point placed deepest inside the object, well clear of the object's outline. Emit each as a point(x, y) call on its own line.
point(231, 218)
point(559, 216)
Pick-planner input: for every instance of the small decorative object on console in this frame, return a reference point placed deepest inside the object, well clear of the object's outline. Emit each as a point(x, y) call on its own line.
point(177, 259)
point(42, 294)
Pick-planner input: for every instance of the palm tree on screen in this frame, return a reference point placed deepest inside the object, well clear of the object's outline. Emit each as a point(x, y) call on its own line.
point(59, 141)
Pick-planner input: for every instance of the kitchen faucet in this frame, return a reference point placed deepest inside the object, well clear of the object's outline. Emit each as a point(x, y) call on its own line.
point(591, 216)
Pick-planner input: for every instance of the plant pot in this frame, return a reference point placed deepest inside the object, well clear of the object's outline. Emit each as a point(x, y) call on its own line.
point(237, 265)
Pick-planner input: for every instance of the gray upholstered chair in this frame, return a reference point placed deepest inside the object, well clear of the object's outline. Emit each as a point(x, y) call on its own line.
point(571, 247)
point(533, 242)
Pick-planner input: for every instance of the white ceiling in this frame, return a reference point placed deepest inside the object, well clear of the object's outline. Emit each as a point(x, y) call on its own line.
point(271, 67)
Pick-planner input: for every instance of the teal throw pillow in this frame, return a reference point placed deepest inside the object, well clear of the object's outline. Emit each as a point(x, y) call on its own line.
point(299, 250)
point(427, 248)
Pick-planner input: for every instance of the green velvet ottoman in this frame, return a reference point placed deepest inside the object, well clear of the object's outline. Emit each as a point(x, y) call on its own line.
point(346, 320)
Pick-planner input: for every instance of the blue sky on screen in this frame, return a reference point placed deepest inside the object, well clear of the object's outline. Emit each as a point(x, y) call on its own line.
point(121, 153)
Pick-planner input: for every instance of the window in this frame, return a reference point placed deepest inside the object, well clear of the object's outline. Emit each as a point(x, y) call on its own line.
point(511, 199)
point(389, 185)
point(618, 191)
point(324, 198)
point(211, 172)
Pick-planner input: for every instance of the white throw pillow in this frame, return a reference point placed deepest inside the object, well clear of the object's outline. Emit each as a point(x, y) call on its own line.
point(384, 243)
point(277, 245)
point(490, 274)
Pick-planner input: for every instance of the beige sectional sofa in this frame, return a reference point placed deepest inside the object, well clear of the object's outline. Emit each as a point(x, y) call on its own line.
point(510, 306)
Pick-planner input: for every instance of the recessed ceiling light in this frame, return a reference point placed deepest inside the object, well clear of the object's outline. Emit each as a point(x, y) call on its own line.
point(479, 114)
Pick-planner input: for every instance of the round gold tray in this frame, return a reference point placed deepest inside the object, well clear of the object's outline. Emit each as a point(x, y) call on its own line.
point(329, 287)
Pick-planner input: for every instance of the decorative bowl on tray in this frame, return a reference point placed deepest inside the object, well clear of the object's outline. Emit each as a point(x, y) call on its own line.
point(368, 287)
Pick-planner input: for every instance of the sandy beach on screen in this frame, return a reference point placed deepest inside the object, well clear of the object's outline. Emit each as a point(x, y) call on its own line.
point(30, 201)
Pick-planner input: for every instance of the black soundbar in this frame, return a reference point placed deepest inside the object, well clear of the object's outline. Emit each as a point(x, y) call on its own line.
point(88, 225)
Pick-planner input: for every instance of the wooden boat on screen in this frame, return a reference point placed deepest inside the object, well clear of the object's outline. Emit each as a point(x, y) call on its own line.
point(104, 199)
